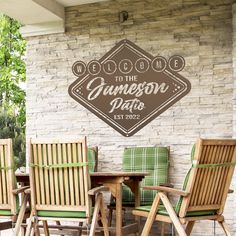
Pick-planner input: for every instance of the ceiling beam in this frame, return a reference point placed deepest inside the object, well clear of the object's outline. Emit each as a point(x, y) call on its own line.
point(37, 16)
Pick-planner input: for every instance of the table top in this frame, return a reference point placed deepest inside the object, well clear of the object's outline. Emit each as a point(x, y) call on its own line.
point(119, 173)
point(102, 173)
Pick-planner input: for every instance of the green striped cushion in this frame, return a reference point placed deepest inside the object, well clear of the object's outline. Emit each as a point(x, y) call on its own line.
point(179, 202)
point(147, 159)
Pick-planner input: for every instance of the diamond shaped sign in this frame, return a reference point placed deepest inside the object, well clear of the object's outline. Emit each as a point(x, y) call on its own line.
point(128, 87)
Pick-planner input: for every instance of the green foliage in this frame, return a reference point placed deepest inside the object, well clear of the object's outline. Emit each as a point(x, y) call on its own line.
point(12, 67)
point(9, 128)
point(12, 96)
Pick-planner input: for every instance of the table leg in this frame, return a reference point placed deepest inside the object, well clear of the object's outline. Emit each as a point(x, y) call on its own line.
point(136, 192)
point(118, 209)
point(116, 191)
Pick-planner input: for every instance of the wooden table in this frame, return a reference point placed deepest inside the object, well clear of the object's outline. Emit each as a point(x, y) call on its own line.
point(114, 181)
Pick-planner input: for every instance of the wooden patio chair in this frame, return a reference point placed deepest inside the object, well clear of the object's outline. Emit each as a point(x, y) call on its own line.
point(9, 201)
point(60, 186)
point(204, 193)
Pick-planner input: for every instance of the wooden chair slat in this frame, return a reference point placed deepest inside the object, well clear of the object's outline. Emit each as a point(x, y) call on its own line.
point(51, 175)
point(4, 184)
point(210, 198)
point(36, 172)
point(61, 174)
point(66, 175)
point(225, 173)
point(81, 176)
point(55, 172)
point(76, 176)
point(86, 175)
point(41, 173)
point(228, 180)
point(71, 178)
point(10, 176)
point(60, 208)
point(209, 177)
point(46, 174)
point(1, 179)
point(222, 173)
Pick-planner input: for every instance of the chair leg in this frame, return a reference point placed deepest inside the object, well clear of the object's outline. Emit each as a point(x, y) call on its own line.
point(225, 228)
point(45, 228)
point(151, 216)
point(104, 218)
point(189, 227)
point(172, 214)
point(112, 199)
point(21, 215)
point(36, 227)
point(29, 225)
point(95, 214)
point(58, 223)
point(162, 228)
point(172, 229)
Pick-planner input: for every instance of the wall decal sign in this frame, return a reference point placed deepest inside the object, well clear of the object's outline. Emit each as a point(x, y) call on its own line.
point(128, 87)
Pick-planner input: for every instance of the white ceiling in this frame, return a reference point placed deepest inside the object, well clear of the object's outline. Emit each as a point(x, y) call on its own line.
point(68, 3)
point(40, 16)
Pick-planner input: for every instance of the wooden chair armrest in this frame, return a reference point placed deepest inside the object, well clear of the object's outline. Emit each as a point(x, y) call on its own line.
point(28, 191)
point(96, 190)
point(230, 191)
point(168, 190)
point(166, 185)
point(19, 190)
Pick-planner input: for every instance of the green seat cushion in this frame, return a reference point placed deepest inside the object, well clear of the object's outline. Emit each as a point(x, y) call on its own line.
point(5, 213)
point(62, 214)
point(155, 161)
point(162, 211)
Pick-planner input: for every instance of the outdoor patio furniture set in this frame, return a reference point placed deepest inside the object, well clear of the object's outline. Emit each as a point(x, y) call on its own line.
point(65, 188)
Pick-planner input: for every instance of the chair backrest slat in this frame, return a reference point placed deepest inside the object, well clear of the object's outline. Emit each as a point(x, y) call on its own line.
point(61, 177)
point(7, 180)
point(51, 176)
point(72, 196)
point(3, 174)
point(76, 174)
point(59, 174)
point(210, 176)
point(46, 174)
point(81, 173)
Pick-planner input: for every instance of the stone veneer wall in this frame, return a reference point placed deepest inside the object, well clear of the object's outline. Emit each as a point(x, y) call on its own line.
point(199, 30)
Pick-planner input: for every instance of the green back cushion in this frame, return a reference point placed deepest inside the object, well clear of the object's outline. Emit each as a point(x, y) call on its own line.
point(92, 159)
point(153, 160)
point(179, 202)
